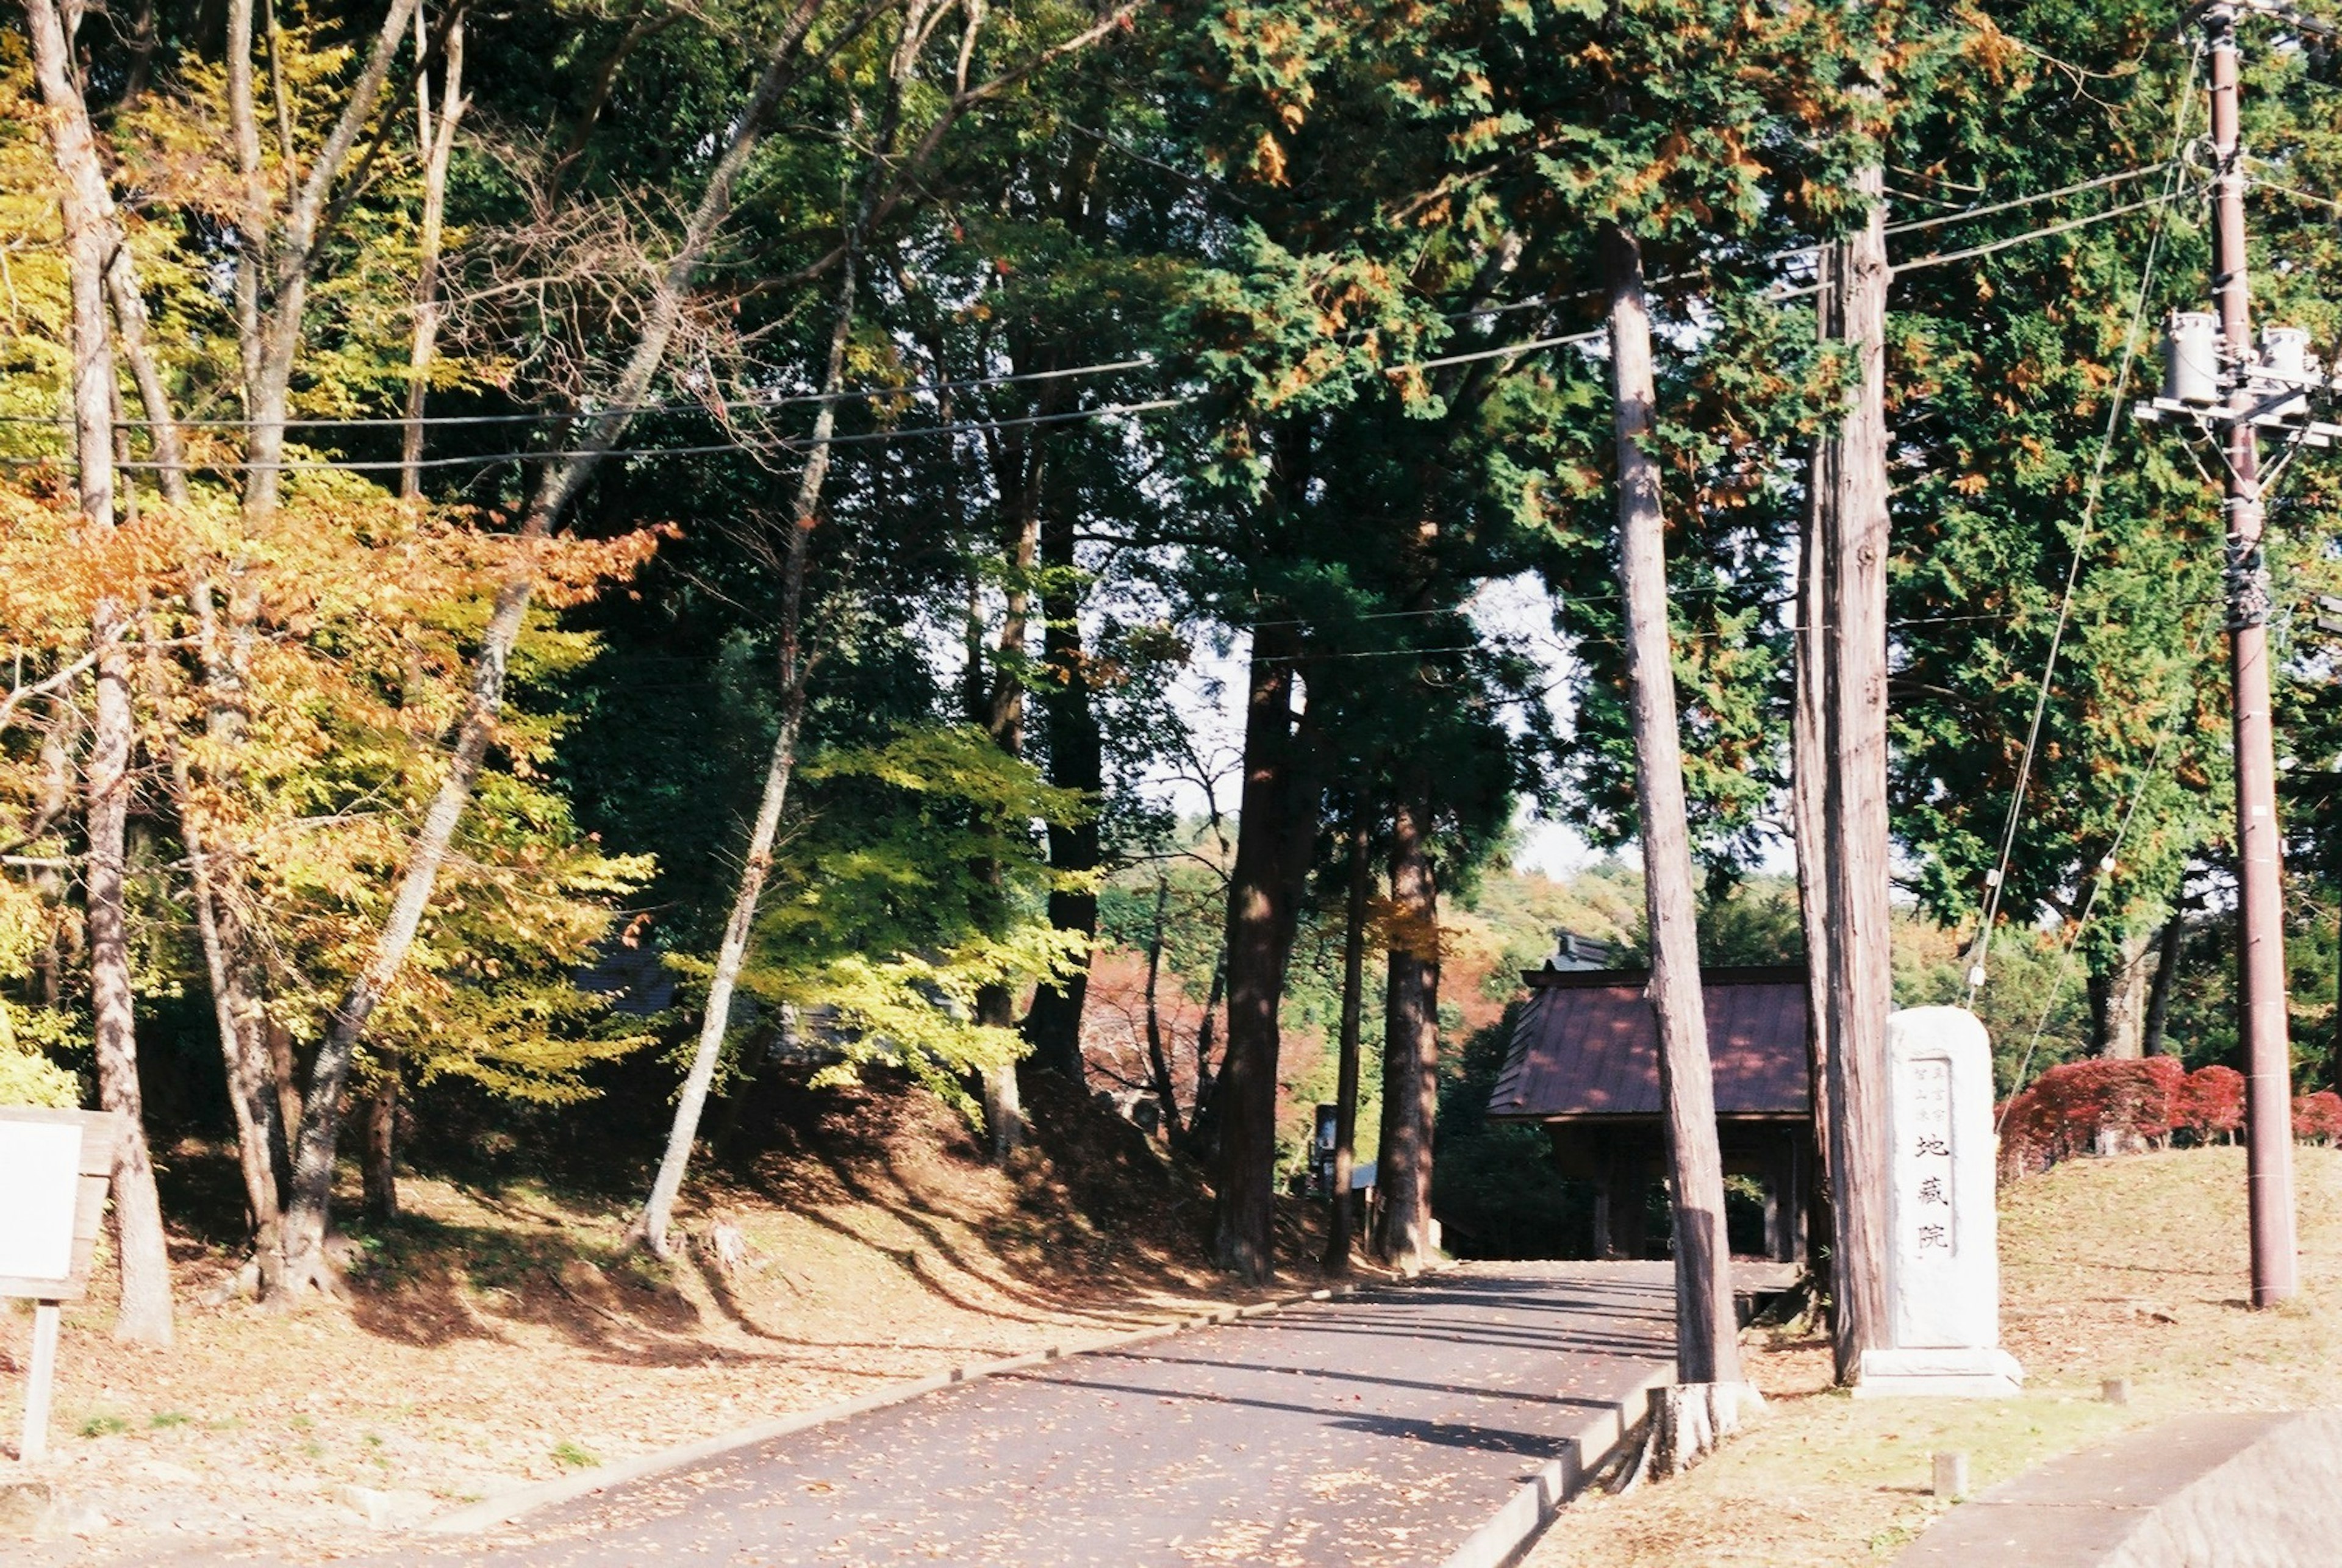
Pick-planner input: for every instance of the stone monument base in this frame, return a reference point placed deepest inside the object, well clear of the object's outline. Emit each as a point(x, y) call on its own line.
point(1960, 1373)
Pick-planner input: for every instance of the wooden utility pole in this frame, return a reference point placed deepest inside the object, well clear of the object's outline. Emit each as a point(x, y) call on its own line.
point(2268, 1057)
point(1707, 1348)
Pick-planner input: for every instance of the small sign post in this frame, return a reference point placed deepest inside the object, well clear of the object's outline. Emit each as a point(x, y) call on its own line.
point(55, 1166)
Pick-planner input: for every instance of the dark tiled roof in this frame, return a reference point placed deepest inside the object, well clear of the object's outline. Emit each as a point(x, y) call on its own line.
point(1588, 1044)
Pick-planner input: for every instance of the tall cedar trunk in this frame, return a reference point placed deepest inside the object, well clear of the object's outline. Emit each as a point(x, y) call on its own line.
point(2119, 999)
point(1346, 1070)
point(2168, 943)
point(145, 1313)
point(380, 1166)
point(1809, 784)
point(1410, 1036)
point(436, 146)
point(1259, 941)
point(1077, 761)
point(320, 1124)
point(1707, 1348)
point(1859, 981)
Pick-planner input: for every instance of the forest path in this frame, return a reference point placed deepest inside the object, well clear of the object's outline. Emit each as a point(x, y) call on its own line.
point(1379, 1428)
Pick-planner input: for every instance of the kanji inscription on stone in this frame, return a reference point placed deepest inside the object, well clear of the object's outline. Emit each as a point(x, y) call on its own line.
point(1928, 1089)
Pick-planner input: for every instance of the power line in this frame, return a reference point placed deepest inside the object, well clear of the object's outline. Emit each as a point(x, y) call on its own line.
point(587, 415)
point(1913, 226)
point(783, 444)
point(1964, 215)
point(794, 444)
point(1970, 252)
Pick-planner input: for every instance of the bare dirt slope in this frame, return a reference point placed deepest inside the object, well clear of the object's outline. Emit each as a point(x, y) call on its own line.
point(2132, 1268)
point(498, 1337)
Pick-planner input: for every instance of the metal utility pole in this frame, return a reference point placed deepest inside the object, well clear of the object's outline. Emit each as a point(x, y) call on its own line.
point(2268, 1056)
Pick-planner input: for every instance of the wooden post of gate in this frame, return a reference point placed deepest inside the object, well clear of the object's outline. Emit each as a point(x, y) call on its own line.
point(55, 1166)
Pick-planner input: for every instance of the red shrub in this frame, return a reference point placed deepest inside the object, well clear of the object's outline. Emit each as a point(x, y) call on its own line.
point(2089, 1107)
point(2318, 1116)
point(2076, 1107)
point(2210, 1103)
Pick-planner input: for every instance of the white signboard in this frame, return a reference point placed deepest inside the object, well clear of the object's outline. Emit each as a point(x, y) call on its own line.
point(40, 1173)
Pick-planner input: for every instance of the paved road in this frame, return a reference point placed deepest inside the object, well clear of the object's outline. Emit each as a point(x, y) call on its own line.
point(1378, 1429)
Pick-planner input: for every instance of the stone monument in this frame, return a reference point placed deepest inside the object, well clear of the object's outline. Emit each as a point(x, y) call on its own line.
point(1943, 1275)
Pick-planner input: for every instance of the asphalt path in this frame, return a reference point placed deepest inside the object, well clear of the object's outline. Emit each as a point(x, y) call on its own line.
point(1381, 1429)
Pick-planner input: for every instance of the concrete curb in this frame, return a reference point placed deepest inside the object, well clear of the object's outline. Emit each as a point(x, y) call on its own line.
point(489, 1512)
point(2242, 1489)
point(1542, 1495)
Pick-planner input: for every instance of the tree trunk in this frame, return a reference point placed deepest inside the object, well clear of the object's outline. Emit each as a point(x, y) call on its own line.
point(1077, 761)
point(145, 1256)
point(1858, 988)
point(2153, 1041)
point(2119, 998)
point(436, 147)
point(1346, 1071)
point(1019, 468)
point(651, 1227)
point(1706, 1344)
point(1002, 1097)
point(1810, 789)
point(1410, 1036)
point(320, 1126)
point(251, 1102)
point(281, 289)
point(1203, 1118)
point(2334, 1055)
point(1259, 943)
point(283, 1071)
point(1158, 1057)
point(380, 1163)
point(145, 1313)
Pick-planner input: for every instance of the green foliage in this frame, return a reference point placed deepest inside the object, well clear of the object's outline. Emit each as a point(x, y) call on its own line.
point(29, 1078)
point(914, 882)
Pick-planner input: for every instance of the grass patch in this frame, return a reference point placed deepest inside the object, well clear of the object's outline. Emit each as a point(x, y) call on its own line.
point(164, 1420)
point(104, 1424)
point(569, 1454)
